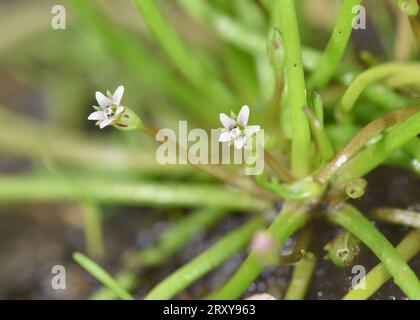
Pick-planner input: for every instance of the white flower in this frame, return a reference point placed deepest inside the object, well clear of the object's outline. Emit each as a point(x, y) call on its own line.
point(109, 108)
point(237, 130)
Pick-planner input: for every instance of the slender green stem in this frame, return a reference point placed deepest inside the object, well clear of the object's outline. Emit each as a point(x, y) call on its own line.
point(305, 188)
point(186, 62)
point(205, 262)
point(301, 278)
point(318, 106)
point(101, 275)
point(351, 219)
point(408, 248)
point(35, 188)
point(399, 216)
point(336, 46)
point(402, 80)
point(296, 87)
point(373, 155)
point(127, 279)
point(409, 7)
point(278, 168)
point(232, 32)
point(374, 74)
point(20, 137)
point(323, 142)
point(93, 229)
point(216, 171)
point(362, 138)
point(275, 54)
point(415, 26)
point(169, 243)
point(292, 217)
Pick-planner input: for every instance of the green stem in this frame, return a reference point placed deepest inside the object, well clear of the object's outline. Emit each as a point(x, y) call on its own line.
point(101, 275)
point(169, 243)
point(325, 148)
point(374, 74)
point(415, 26)
point(216, 171)
point(301, 278)
point(408, 248)
point(409, 7)
point(292, 217)
point(351, 219)
point(336, 46)
point(205, 262)
point(93, 229)
point(362, 138)
point(399, 216)
point(231, 31)
point(20, 137)
point(35, 188)
point(373, 155)
point(296, 87)
point(127, 279)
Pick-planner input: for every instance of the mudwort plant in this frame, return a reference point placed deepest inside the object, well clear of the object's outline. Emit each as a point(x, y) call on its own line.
point(313, 124)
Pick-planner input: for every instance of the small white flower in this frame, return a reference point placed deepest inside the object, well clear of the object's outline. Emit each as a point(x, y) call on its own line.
point(237, 130)
point(109, 108)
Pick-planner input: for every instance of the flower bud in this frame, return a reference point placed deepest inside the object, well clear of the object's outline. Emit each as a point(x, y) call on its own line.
point(127, 121)
point(265, 247)
point(343, 250)
point(356, 188)
point(274, 49)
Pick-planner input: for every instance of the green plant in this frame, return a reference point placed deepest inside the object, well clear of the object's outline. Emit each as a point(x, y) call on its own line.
point(316, 156)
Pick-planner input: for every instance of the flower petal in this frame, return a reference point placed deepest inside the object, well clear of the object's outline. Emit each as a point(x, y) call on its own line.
point(118, 94)
point(239, 142)
point(250, 130)
point(119, 110)
point(97, 115)
point(243, 116)
point(225, 136)
point(103, 100)
point(226, 121)
point(106, 122)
